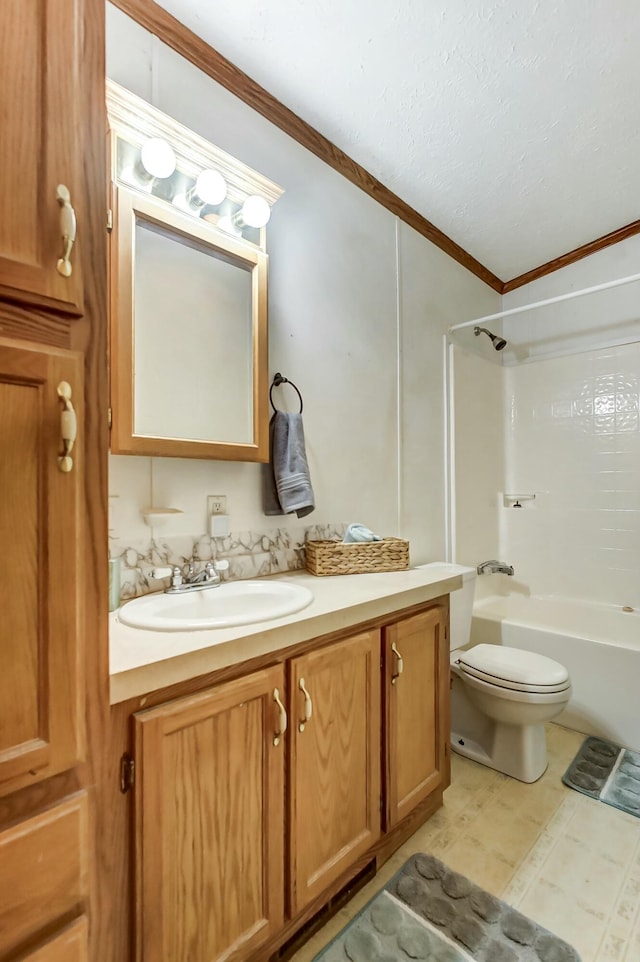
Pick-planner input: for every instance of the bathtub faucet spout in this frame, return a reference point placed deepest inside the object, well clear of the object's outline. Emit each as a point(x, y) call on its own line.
point(494, 567)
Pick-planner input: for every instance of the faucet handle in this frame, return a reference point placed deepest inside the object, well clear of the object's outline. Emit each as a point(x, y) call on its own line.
point(169, 571)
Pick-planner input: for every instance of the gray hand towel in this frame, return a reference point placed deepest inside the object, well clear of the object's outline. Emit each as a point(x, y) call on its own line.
point(286, 481)
point(270, 502)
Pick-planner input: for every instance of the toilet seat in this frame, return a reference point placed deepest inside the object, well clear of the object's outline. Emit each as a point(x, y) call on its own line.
point(514, 669)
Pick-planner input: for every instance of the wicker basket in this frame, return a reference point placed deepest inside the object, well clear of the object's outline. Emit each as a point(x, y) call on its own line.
point(337, 558)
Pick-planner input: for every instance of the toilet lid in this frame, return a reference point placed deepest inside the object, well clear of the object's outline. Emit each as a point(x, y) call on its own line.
point(514, 669)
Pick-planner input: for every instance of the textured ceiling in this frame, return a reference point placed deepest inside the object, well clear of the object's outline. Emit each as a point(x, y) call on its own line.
point(512, 125)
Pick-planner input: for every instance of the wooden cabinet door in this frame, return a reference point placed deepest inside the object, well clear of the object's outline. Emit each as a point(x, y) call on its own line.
point(45, 872)
point(416, 657)
point(41, 678)
point(210, 822)
point(335, 761)
point(40, 87)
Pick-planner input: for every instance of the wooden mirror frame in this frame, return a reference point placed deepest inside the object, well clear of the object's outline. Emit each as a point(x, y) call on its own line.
point(129, 207)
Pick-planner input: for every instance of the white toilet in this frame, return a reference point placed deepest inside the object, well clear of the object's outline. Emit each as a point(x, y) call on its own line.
point(501, 697)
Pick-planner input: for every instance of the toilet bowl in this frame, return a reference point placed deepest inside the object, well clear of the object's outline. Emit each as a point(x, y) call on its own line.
point(499, 706)
point(501, 697)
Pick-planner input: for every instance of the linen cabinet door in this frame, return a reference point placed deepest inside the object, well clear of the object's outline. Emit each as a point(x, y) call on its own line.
point(44, 878)
point(40, 176)
point(41, 678)
point(70, 945)
point(416, 657)
point(335, 761)
point(210, 822)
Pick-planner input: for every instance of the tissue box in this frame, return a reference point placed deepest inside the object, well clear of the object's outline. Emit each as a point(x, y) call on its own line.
point(336, 558)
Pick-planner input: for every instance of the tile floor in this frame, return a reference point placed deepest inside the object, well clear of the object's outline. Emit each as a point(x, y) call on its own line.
point(567, 861)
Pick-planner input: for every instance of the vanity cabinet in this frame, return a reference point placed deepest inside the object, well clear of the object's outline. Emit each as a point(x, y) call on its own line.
point(416, 669)
point(258, 798)
point(210, 821)
point(335, 762)
point(41, 76)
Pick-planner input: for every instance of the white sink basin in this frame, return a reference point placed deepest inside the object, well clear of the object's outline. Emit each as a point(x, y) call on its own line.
point(235, 603)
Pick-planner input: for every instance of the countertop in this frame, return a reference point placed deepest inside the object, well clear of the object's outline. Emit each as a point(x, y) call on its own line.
point(145, 661)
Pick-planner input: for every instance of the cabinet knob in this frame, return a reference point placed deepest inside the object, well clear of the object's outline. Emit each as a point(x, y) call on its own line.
point(399, 664)
point(67, 229)
point(282, 725)
point(308, 706)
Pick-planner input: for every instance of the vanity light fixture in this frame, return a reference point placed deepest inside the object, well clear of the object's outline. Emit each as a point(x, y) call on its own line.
point(255, 212)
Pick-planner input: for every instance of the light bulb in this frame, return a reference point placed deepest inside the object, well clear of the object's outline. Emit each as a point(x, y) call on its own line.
point(157, 158)
point(210, 187)
point(255, 211)
point(227, 225)
point(136, 176)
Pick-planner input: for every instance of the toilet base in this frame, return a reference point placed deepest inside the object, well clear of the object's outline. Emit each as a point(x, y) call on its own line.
point(516, 750)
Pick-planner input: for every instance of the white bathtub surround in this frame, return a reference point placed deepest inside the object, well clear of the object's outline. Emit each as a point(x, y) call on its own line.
point(573, 433)
point(251, 554)
point(598, 644)
point(573, 437)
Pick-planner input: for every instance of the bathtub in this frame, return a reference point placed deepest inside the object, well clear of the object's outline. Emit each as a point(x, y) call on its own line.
point(598, 644)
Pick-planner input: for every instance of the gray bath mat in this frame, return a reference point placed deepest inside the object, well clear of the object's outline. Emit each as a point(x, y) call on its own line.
point(605, 771)
point(431, 913)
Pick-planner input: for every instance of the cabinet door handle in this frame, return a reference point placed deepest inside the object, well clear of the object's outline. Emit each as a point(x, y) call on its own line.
point(400, 664)
point(67, 229)
point(68, 427)
point(282, 727)
point(308, 706)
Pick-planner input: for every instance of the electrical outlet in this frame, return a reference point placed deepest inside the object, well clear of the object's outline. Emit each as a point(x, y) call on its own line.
point(216, 504)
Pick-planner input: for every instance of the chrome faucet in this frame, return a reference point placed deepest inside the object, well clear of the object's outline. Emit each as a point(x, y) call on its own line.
point(209, 577)
point(494, 567)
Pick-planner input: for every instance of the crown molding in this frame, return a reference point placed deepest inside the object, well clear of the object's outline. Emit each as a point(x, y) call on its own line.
point(599, 244)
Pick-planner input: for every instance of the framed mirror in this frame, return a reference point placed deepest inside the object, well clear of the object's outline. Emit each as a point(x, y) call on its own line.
point(188, 336)
point(188, 291)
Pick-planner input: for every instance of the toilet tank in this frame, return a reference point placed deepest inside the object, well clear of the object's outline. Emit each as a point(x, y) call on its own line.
point(461, 603)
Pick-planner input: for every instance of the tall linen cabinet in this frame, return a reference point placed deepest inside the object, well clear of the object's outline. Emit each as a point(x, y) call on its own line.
point(53, 443)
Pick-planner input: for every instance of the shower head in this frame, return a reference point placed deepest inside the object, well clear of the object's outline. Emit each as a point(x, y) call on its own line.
point(499, 343)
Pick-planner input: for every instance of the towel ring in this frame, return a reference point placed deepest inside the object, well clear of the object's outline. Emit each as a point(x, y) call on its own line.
point(278, 379)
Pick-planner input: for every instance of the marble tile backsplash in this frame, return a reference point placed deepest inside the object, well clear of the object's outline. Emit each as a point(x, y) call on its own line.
point(250, 554)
